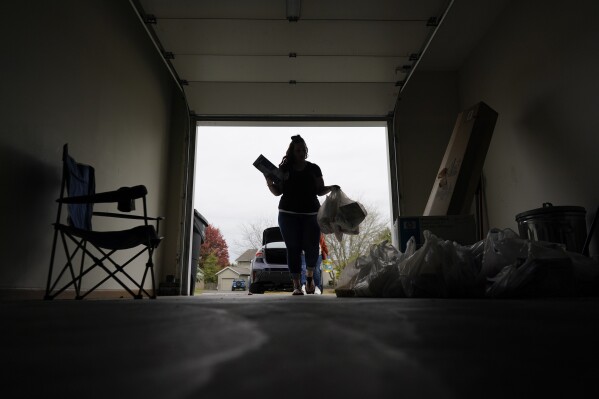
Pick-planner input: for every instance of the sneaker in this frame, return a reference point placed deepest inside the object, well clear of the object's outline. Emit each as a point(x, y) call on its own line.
point(304, 289)
point(297, 291)
point(317, 291)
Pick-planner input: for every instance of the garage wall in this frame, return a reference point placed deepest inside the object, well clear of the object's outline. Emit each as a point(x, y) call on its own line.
point(537, 67)
point(171, 262)
point(83, 73)
point(426, 114)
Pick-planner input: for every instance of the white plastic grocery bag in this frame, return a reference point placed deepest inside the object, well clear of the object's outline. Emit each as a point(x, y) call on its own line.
point(340, 215)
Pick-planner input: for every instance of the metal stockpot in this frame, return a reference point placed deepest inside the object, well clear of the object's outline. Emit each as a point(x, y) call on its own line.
point(559, 224)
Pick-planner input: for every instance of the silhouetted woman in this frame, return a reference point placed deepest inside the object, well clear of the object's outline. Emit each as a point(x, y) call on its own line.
point(298, 208)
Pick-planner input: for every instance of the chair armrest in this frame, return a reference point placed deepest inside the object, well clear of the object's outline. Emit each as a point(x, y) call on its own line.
point(124, 216)
point(122, 194)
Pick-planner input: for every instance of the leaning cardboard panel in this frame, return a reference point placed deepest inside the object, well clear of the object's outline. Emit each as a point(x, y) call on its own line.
point(454, 188)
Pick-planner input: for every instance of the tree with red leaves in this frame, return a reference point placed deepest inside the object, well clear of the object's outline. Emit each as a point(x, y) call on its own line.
point(216, 244)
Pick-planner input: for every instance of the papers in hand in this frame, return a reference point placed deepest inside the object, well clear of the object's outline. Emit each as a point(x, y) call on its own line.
point(269, 169)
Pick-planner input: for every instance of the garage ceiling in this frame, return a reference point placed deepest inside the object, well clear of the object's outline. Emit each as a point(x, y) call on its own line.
point(332, 58)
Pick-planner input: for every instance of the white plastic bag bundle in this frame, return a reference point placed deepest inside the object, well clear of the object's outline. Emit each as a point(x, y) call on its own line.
point(340, 215)
point(375, 274)
point(421, 274)
point(379, 276)
point(460, 270)
point(503, 265)
point(516, 267)
point(347, 280)
point(501, 248)
point(441, 269)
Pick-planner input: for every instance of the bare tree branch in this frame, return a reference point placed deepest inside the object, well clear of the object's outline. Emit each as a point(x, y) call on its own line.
point(251, 236)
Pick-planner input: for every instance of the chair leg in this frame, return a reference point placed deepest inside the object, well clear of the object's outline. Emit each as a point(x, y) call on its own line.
point(112, 274)
point(153, 281)
point(150, 269)
point(79, 280)
point(49, 281)
point(76, 280)
point(51, 291)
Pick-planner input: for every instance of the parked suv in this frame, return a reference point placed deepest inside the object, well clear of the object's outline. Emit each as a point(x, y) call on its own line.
point(238, 285)
point(268, 269)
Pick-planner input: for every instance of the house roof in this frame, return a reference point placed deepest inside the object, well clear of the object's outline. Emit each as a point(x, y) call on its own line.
point(239, 270)
point(247, 256)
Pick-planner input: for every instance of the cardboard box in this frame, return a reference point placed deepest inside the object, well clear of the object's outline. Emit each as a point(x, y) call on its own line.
point(459, 174)
point(459, 228)
point(268, 169)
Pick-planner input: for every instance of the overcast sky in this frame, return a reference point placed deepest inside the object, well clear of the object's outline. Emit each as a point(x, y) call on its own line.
point(231, 192)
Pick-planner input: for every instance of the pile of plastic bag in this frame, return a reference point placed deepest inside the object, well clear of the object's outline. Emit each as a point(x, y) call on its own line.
point(503, 265)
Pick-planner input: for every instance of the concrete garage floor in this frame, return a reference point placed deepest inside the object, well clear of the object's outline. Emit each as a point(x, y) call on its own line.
point(279, 346)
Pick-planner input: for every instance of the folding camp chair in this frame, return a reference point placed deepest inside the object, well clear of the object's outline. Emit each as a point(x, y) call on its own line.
point(95, 249)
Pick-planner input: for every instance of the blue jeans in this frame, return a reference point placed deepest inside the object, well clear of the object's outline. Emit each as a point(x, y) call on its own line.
point(317, 272)
point(300, 233)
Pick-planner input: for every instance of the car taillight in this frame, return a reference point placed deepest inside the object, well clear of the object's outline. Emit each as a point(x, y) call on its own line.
point(259, 254)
